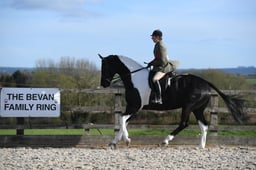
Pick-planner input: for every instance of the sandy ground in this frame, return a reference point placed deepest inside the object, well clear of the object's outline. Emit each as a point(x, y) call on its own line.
point(144, 157)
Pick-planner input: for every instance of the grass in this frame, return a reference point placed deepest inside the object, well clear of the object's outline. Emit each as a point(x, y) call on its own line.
point(237, 133)
point(44, 132)
point(111, 132)
point(251, 80)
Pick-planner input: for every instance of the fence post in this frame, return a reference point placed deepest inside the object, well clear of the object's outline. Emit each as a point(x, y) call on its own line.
point(117, 110)
point(214, 115)
point(20, 126)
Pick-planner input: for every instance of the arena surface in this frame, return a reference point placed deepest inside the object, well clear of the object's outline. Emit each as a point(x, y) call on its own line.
point(134, 157)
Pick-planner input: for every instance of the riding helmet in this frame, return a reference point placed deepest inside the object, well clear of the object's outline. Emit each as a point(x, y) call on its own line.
point(157, 33)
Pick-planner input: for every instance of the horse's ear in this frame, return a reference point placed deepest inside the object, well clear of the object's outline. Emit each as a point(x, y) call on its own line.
point(100, 56)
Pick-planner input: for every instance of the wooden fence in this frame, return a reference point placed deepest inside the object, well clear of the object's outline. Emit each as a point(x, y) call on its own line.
point(118, 92)
point(214, 108)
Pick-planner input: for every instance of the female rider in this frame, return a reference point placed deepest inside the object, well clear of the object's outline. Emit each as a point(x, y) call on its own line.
point(160, 64)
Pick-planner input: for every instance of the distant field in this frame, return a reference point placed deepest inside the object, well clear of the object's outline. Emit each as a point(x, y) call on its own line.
point(251, 80)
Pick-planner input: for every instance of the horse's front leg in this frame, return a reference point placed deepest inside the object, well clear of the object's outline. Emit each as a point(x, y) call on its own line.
point(122, 131)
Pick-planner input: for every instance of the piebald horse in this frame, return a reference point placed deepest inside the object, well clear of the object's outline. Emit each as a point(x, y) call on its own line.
point(188, 92)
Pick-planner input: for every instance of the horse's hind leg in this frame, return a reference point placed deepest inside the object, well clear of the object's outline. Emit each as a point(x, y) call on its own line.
point(199, 114)
point(203, 129)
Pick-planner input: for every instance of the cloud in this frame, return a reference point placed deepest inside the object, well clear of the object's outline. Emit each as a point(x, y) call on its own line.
point(65, 8)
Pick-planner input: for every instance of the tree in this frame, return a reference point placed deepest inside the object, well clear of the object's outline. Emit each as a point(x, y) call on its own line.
point(223, 80)
point(7, 80)
point(69, 73)
point(21, 78)
point(17, 79)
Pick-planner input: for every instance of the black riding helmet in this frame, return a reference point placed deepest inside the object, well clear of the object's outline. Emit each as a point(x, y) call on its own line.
point(157, 33)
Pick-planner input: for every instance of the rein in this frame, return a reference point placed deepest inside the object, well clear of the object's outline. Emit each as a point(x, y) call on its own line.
point(138, 70)
point(117, 78)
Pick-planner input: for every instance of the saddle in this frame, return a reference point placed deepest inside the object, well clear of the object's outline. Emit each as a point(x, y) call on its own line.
point(165, 82)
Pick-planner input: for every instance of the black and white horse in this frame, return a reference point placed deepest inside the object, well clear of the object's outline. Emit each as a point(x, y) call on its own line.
point(189, 92)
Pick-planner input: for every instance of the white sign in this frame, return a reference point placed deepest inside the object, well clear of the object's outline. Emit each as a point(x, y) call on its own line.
point(30, 102)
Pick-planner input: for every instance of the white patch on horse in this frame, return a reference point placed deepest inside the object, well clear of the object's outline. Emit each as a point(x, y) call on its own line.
point(139, 79)
point(167, 139)
point(204, 129)
point(123, 130)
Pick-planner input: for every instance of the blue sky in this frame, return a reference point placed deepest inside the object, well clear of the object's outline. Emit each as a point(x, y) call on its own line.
point(198, 33)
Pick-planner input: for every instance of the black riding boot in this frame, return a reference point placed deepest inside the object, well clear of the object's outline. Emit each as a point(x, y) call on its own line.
point(158, 96)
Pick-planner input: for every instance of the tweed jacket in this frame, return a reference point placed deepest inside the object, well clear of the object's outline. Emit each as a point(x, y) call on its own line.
point(160, 62)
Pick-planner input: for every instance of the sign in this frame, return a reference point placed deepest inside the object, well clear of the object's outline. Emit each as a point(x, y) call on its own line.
point(30, 102)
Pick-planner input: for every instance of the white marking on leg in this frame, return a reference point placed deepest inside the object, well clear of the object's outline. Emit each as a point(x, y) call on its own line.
point(123, 123)
point(203, 129)
point(118, 136)
point(167, 139)
point(123, 131)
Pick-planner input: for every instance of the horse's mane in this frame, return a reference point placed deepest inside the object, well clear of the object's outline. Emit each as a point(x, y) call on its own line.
point(130, 63)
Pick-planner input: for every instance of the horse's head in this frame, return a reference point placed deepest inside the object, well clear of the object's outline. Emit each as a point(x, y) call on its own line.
point(107, 71)
point(117, 64)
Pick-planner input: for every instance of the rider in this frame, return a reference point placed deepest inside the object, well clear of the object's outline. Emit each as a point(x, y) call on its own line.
point(160, 64)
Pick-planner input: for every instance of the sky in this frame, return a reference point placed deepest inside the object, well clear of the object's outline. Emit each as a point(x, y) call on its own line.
point(197, 33)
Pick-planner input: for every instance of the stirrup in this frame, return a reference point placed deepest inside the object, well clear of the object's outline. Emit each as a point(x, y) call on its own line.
point(157, 101)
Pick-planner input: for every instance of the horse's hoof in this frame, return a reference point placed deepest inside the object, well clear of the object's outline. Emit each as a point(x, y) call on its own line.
point(112, 145)
point(200, 147)
point(167, 139)
point(128, 142)
point(164, 144)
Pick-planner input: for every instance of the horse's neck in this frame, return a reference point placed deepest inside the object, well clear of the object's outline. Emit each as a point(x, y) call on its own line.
point(131, 79)
point(139, 80)
point(129, 63)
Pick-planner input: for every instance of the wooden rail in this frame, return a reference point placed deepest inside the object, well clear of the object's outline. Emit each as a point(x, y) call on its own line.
point(119, 91)
point(117, 108)
point(96, 141)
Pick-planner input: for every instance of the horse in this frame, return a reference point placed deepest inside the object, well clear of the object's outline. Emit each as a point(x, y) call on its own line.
point(189, 92)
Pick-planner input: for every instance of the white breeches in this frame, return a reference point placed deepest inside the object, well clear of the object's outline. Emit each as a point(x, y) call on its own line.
point(158, 76)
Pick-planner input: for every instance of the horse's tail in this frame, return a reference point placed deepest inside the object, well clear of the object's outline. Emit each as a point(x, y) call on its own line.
point(234, 104)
